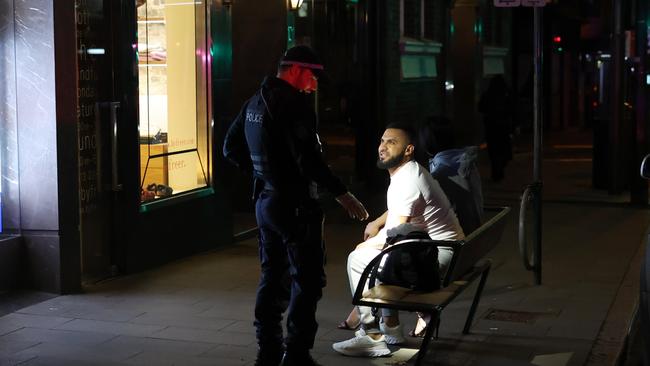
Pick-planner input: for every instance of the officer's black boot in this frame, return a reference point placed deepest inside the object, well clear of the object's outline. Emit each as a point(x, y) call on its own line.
point(298, 358)
point(269, 356)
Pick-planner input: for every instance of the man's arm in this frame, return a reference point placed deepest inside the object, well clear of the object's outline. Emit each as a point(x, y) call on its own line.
point(373, 241)
point(235, 148)
point(312, 165)
point(310, 159)
point(351, 204)
point(374, 226)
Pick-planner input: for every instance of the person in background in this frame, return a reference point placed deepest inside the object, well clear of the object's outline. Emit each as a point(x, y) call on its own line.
point(496, 106)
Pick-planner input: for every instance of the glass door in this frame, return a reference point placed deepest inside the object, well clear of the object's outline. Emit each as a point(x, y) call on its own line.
point(97, 115)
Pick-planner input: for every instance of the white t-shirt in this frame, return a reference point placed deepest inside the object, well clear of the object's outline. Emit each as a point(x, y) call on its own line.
point(413, 192)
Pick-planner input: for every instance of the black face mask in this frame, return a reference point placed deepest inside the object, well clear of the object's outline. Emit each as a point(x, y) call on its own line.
point(392, 162)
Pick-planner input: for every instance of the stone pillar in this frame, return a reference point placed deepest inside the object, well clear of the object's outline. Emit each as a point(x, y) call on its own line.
point(39, 118)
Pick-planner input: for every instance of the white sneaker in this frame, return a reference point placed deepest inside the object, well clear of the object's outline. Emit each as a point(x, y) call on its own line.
point(361, 332)
point(393, 335)
point(363, 346)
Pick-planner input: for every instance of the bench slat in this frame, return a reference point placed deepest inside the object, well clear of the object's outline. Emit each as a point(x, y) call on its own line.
point(476, 245)
point(400, 297)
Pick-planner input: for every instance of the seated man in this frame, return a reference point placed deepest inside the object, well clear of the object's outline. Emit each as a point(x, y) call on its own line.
point(415, 197)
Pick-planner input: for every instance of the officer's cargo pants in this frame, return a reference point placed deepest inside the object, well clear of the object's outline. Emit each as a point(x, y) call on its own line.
point(292, 274)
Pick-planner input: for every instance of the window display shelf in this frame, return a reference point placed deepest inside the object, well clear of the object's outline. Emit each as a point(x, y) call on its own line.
point(153, 170)
point(153, 64)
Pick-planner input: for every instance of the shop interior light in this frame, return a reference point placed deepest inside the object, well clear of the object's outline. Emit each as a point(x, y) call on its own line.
point(295, 4)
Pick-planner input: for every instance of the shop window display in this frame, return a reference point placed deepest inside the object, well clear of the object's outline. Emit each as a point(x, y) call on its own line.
point(172, 84)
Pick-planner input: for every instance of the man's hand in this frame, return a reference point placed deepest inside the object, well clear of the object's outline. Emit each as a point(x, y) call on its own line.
point(352, 205)
point(371, 230)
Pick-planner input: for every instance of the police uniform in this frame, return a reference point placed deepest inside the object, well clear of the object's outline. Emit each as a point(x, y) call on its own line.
point(275, 136)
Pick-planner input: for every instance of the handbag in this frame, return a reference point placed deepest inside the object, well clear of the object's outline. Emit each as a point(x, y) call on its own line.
point(412, 267)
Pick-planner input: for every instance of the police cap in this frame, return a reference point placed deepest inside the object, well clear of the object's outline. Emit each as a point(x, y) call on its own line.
point(304, 56)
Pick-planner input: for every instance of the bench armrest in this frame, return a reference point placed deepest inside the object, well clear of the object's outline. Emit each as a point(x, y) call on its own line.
point(402, 244)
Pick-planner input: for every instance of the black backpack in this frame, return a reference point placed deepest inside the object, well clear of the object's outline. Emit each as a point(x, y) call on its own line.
point(413, 267)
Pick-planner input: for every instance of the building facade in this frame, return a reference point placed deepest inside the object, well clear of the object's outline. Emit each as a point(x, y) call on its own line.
point(113, 113)
point(108, 163)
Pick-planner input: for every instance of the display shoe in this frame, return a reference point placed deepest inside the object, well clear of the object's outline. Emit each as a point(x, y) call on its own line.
point(393, 335)
point(147, 195)
point(302, 358)
point(364, 346)
point(163, 190)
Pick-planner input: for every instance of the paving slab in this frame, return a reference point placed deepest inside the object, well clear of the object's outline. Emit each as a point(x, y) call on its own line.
point(15, 359)
point(111, 327)
point(205, 335)
point(9, 347)
point(86, 338)
point(187, 321)
point(75, 353)
point(157, 345)
point(62, 361)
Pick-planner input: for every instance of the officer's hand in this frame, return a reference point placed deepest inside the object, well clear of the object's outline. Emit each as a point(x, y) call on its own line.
point(352, 205)
point(372, 229)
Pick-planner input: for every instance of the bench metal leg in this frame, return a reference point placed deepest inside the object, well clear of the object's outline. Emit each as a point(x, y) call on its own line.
point(477, 298)
point(431, 328)
point(437, 326)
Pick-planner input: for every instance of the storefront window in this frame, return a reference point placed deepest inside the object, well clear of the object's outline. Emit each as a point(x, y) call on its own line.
point(174, 120)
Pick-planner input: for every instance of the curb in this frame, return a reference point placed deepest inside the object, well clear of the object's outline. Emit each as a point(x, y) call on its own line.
point(611, 341)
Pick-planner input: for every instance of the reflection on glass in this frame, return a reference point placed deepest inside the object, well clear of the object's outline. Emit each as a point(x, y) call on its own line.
point(171, 87)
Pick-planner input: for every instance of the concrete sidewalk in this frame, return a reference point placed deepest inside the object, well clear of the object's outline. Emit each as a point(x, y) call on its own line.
point(198, 311)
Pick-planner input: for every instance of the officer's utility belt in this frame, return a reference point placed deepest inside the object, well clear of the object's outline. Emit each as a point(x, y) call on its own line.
point(309, 209)
point(260, 185)
point(268, 187)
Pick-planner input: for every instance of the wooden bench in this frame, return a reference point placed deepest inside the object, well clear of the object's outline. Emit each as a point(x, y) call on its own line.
point(467, 264)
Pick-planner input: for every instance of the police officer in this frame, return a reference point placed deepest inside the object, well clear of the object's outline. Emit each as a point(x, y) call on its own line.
point(275, 136)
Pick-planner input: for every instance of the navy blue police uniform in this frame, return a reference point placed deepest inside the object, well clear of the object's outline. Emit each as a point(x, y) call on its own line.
point(275, 136)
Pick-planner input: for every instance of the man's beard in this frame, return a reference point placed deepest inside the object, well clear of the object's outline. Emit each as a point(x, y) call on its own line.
point(393, 162)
